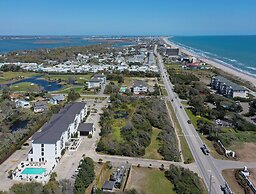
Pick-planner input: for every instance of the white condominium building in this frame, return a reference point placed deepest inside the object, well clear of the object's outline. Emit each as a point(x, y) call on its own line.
point(48, 143)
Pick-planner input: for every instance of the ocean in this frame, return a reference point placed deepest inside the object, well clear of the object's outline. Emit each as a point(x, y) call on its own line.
point(237, 52)
point(16, 43)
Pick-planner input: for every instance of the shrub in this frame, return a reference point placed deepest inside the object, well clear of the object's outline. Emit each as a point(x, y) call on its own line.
point(185, 181)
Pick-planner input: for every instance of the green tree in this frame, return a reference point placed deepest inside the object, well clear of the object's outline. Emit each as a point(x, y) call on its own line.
point(73, 95)
point(85, 175)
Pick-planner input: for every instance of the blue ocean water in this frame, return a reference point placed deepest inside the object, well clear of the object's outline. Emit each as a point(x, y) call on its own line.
point(9, 43)
point(238, 52)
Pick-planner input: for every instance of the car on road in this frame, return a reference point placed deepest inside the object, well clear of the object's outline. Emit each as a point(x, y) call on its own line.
point(180, 106)
point(172, 100)
point(205, 150)
point(189, 121)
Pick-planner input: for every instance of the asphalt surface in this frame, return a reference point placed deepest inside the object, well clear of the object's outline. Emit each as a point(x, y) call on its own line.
point(205, 163)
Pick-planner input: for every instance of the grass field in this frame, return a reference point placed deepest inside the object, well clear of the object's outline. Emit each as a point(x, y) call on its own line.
point(116, 126)
point(79, 89)
point(80, 79)
point(163, 91)
point(24, 87)
point(188, 158)
point(151, 151)
point(9, 76)
point(194, 118)
point(150, 181)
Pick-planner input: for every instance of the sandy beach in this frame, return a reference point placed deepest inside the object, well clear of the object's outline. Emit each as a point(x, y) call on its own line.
point(239, 75)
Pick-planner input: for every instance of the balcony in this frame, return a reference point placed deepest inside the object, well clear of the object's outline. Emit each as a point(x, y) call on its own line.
point(30, 151)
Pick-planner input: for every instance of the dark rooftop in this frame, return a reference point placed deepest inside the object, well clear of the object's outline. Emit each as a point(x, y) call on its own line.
point(86, 127)
point(108, 185)
point(229, 83)
point(95, 80)
point(139, 83)
point(52, 131)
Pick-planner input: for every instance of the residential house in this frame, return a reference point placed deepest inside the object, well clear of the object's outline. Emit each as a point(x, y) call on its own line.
point(139, 87)
point(49, 143)
point(97, 81)
point(40, 107)
point(22, 104)
point(228, 88)
point(57, 99)
point(15, 96)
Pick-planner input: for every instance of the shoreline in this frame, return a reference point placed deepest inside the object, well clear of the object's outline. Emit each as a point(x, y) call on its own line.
point(242, 76)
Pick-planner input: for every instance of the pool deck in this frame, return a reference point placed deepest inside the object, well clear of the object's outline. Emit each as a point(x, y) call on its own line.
point(27, 171)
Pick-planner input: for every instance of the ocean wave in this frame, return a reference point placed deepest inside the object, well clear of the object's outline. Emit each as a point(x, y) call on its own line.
point(231, 63)
point(252, 68)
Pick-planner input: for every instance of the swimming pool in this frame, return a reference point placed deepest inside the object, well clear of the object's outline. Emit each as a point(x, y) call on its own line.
point(33, 171)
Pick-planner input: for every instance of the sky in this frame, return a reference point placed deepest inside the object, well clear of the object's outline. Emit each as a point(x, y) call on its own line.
point(127, 17)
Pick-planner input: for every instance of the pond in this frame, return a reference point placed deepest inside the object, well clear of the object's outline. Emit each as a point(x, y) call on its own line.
point(18, 125)
point(42, 83)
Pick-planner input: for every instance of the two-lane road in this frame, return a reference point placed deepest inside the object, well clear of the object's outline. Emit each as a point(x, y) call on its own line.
point(206, 166)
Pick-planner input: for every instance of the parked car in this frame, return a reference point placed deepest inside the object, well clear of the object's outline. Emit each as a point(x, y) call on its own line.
point(26, 144)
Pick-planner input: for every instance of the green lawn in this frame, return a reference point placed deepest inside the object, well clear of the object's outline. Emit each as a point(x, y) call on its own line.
point(67, 88)
point(151, 151)
point(80, 79)
point(184, 103)
point(237, 137)
point(163, 91)
point(13, 76)
point(174, 66)
point(194, 118)
point(116, 126)
point(24, 87)
point(150, 181)
point(188, 158)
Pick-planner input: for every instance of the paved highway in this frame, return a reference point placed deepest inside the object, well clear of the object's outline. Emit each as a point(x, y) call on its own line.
point(206, 165)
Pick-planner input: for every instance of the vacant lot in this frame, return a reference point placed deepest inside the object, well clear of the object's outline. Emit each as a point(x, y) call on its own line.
point(151, 151)
point(128, 81)
point(246, 152)
point(229, 176)
point(149, 181)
